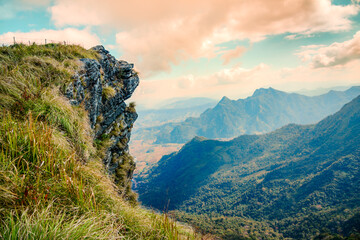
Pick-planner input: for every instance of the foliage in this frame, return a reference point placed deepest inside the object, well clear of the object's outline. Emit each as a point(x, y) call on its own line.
point(131, 107)
point(109, 92)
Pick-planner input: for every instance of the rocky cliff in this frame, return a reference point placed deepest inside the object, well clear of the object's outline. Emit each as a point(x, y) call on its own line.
point(103, 86)
point(53, 180)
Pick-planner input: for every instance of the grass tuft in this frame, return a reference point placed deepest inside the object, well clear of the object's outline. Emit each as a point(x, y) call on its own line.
point(131, 107)
point(109, 92)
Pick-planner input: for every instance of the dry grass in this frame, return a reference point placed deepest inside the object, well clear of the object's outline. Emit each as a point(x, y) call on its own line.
point(109, 92)
point(53, 184)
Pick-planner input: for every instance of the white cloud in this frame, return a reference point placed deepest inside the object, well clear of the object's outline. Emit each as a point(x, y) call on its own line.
point(291, 37)
point(232, 53)
point(71, 35)
point(336, 54)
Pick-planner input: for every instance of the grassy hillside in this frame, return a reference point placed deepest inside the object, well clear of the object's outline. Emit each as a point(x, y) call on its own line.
point(298, 181)
point(53, 184)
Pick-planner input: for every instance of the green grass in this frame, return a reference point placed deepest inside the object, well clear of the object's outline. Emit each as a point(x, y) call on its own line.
point(131, 107)
point(53, 184)
point(109, 92)
point(45, 224)
point(25, 71)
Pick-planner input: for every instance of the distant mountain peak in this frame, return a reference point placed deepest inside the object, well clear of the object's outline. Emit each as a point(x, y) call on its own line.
point(198, 139)
point(262, 91)
point(353, 89)
point(225, 100)
point(267, 110)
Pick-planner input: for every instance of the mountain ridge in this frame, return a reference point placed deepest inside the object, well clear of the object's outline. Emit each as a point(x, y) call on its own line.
point(264, 111)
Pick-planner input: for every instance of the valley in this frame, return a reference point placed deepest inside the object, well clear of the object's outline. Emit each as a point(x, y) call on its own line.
point(307, 171)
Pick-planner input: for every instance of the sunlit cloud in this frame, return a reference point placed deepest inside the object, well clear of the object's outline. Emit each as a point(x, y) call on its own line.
point(160, 33)
point(232, 54)
point(336, 54)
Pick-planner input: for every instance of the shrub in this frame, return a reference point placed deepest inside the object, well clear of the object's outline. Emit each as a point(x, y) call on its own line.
point(131, 107)
point(108, 92)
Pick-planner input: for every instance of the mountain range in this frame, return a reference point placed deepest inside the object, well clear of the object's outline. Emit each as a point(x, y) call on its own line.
point(172, 111)
point(264, 111)
point(298, 181)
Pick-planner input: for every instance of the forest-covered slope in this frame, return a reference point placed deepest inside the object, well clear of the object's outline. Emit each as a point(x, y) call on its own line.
point(299, 180)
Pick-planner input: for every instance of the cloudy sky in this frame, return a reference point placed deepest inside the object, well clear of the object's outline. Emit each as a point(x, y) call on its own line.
point(209, 48)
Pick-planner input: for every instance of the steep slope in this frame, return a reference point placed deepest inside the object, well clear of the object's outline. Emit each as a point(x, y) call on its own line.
point(102, 86)
point(285, 177)
point(264, 111)
point(65, 169)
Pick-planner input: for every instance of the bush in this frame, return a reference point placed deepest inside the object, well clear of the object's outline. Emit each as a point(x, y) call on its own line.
point(108, 92)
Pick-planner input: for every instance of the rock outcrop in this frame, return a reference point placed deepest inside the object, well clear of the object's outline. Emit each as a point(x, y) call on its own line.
point(103, 86)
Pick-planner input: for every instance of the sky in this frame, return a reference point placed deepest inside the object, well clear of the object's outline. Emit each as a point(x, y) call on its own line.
point(204, 48)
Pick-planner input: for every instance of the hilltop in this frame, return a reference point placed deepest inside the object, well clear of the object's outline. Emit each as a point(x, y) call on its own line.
point(65, 168)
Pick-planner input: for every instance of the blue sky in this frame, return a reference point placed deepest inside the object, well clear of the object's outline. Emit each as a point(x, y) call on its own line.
point(205, 48)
